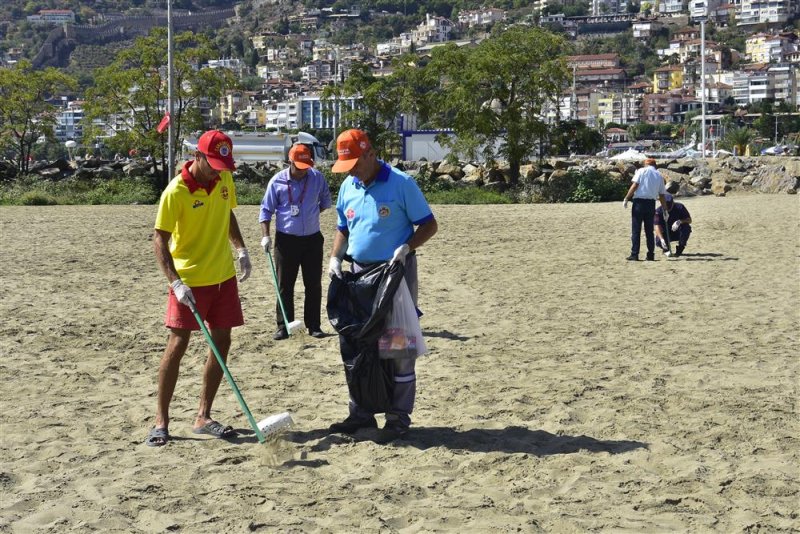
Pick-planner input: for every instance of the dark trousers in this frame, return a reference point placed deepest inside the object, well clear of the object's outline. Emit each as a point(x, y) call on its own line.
point(643, 212)
point(405, 375)
point(293, 253)
point(681, 237)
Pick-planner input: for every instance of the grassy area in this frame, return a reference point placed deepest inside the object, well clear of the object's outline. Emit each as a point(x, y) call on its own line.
point(34, 191)
point(590, 186)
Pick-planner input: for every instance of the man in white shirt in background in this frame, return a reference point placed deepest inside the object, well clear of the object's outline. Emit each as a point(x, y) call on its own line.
point(648, 185)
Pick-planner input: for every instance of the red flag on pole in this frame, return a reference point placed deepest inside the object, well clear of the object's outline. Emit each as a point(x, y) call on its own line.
point(164, 124)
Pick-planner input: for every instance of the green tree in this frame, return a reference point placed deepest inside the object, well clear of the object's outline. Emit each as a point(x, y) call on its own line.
point(378, 108)
point(133, 90)
point(575, 137)
point(25, 113)
point(496, 94)
point(738, 139)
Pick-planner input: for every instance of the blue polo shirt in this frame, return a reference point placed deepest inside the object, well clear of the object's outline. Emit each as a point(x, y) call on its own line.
point(381, 216)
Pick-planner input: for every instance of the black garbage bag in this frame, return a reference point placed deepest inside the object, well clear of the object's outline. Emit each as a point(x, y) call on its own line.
point(357, 308)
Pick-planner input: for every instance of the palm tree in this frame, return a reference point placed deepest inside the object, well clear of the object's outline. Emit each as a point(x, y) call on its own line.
point(738, 139)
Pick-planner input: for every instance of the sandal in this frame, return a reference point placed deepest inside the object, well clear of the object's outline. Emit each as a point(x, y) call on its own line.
point(213, 428)
point(157, 437)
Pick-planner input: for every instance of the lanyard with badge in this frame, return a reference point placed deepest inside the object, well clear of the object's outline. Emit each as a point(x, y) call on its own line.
point(294, 209)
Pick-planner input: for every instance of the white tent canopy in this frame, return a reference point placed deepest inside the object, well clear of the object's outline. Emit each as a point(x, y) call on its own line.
point(630, 155)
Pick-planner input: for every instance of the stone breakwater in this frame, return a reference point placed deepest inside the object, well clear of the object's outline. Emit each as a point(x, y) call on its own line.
point(685, 177)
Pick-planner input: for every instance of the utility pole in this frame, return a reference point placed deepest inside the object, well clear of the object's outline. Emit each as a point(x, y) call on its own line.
point(703, 82)
point(171, 131)
point(574, 103)
point(776, 128)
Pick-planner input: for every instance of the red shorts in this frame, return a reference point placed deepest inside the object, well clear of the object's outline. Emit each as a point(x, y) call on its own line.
point(218, 305)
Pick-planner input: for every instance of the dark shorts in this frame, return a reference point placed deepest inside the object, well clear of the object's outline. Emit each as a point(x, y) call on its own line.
point(218, 305)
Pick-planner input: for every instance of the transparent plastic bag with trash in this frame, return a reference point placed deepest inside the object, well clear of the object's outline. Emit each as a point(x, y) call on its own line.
point(402, 335)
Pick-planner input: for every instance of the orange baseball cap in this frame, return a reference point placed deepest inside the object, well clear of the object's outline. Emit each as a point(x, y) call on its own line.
point(301, 156)
point(350, 145)
point(218, 150)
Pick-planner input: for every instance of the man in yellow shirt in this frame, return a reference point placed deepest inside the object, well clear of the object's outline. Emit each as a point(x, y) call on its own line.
point(194, 224)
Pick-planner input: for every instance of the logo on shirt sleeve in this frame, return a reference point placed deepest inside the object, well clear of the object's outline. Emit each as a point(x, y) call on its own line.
point(384, 211)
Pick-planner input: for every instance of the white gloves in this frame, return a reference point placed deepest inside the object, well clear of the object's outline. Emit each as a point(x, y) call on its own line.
point(266, 243)
point(243, 264)
point(182, 292)
point(335, 268)
point(676, 225)
point(400, 253)
point(625, 204)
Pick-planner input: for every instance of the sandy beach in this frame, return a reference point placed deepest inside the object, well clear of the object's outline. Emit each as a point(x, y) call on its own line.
point(565, 389)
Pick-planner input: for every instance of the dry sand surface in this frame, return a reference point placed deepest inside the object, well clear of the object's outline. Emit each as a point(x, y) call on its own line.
point(566, 390)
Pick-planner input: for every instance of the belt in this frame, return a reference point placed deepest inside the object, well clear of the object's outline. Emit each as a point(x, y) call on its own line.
point(362, 263)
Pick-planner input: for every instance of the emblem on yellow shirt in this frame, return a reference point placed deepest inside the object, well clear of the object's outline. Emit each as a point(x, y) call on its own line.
point(197, 204)
point(224, 192)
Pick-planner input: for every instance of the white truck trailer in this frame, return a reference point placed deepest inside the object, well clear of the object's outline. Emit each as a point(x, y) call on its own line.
point(251, 147)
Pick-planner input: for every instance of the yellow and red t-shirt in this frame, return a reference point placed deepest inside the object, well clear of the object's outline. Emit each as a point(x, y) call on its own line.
point(199, 220)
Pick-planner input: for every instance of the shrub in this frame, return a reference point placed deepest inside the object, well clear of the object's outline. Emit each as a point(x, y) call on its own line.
point(37, 198)
point(594, 185)
point(31, 190)
point(249, 193)
point(468, 195)
point(121, 191)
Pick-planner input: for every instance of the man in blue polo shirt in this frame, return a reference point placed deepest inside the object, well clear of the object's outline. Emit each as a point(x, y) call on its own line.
point(382, 216)
point(296, 196)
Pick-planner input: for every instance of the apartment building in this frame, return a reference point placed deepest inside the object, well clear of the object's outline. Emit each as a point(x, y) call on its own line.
point(670, 7)
point(703, 9)
point(618, 107)
point(252, 117)
point(772, 12)
point(602, 77)
point(593, 61)
point(666, 79)
point(397, 46)
point(317, 113)
point(235, 65)
point(282, 115)
point(481, 17)
point(432, 30)
point(766, 48)
point(69, 122)
point(318, 71)
point(53, 16)
point(783, 82)
point(646, 29)
point(661, 107)
point(602, 7)
point(230, 104)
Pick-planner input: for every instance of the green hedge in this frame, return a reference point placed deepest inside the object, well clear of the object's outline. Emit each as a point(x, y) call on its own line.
point(574, 186)
point(35, 191)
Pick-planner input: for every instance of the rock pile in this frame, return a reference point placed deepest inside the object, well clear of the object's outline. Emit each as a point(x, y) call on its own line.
point(685, 177)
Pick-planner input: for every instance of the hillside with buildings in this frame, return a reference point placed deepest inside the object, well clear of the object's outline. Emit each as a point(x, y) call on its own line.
point(643, 62)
